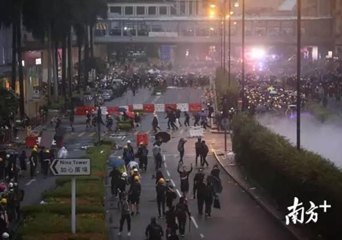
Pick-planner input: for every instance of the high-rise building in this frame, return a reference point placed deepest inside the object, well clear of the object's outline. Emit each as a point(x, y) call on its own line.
point(5, 53)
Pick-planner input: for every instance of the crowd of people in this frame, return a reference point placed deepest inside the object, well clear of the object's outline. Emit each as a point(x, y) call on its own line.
point(126, 186)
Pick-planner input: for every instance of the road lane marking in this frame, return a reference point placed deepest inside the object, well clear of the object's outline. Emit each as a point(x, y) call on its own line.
point(178, 193)
point(181, 131)
point(81, 134)
point(165, 165)
point(155, 99)
point(194, 222)
point(164, 158)
point(168, 173)
point(29, 182)
point(92, 134)
point(173, 183)
point(202, 236)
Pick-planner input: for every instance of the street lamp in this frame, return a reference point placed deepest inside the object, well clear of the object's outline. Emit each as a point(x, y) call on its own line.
point(243, 56)
point(299, 40)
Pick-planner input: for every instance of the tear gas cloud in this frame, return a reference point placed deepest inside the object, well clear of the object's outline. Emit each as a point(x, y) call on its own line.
point(324, 139)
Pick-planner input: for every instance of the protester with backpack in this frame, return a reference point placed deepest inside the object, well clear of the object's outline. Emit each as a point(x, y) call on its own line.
point(154, 231)
point(184, 179)
point(125, 215)
point(128, 155)
point(143, 156)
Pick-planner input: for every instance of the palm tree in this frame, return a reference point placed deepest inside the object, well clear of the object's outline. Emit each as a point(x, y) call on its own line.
point(10, 15)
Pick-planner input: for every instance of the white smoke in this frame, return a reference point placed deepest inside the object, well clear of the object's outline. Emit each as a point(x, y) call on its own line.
point(322, 138)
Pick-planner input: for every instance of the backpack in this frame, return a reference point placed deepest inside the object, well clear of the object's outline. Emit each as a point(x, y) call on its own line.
point(144, 152)
point(124, 207)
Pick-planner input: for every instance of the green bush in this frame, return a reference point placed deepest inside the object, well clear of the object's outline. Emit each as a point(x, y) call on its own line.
point(286, 173)
point(63, 180)
point(125, 126)
point(60, 209)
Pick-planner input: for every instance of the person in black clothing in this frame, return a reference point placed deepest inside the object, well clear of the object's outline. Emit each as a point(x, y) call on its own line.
point(178, 116)
point(72, 120)
point(161, 194)
point(170, 196)
point(171, 224)
point(155, 123)
point(114, 175)
point(187, 119)
point(122, 182)
point(199, 178)
point(22, 162)
point(204, 153)
point(181, 149)
point(208, 194)
point(215, 171)
point(198, 149)
point(134, 195)
point(143, 156)
point(184, 179)
point(154, 231)
point(159, 175)
point(88, 120)
point(182, 209)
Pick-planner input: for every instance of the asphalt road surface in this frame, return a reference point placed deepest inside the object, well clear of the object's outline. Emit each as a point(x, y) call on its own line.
point(240, 217)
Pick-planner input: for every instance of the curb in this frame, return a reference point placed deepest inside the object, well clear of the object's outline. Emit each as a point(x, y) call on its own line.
point(259, 202)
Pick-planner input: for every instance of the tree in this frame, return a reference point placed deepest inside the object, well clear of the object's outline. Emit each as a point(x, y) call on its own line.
point(223, 88)
point(9, 103)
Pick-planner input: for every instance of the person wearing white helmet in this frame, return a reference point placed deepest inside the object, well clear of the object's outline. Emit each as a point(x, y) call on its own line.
point(122, 183)
point(5, 235)
point(130, 147)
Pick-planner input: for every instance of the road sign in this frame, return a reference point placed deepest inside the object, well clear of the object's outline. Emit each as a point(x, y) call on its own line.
point(36, 95)
point(225, 123)
point(71, 167)
point(165, 53)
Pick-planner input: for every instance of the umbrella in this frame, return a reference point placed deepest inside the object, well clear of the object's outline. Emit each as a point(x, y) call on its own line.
point(116, 162)
point(163, 136)
point(122, 109)
point(270, 89)
point(130, 114)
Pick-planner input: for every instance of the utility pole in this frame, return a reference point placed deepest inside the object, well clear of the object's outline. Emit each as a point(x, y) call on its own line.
point(243, 55)
point(299, 56)
point(229, 38)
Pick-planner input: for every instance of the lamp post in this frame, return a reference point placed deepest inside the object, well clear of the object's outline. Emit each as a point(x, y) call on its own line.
point(299, 39)
point(229, 37)
point(243, 55)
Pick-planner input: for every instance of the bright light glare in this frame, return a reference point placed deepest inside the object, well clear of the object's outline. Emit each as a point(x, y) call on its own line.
point(231, 12)
point(257, 53)
point(236, 4)
point(212, 13)
point(212, 5)
point(235, 23)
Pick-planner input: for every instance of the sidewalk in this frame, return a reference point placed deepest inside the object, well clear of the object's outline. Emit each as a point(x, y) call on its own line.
point(231, 167)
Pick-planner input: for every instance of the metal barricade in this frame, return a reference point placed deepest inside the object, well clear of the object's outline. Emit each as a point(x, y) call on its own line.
point(196, 132)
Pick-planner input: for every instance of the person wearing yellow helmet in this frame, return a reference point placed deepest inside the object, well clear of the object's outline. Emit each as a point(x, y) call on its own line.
point(45, 161)
point(3, 201)
point(161, 195)
point(134, 194)
point(33, 160)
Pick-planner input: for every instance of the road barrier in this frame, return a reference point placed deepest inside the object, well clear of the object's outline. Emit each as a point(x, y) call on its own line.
point(146, 108)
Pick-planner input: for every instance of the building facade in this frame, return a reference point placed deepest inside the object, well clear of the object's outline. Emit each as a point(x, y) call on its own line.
point(5, 54)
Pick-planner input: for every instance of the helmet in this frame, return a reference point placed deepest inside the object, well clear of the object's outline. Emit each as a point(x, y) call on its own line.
point(4, 201)
point(125, 147)
point(124, 174)
point(34, 149)
point(47, 151)
point(136, 178)
point(129, 142)
point(161, 181)
point(8, 156)
point(35, 146)
point(5, 235)
point(135, 170)
point(10, 185)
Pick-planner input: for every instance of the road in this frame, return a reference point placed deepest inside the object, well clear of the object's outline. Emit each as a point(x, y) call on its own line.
point(75, 143)
point(240, 217)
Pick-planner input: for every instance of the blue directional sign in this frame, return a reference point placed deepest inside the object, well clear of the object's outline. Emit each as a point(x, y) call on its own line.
point(165, 53)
